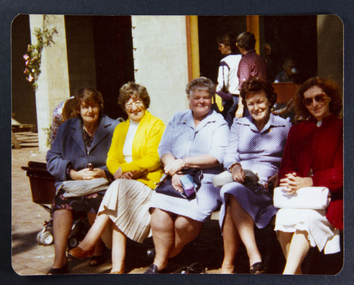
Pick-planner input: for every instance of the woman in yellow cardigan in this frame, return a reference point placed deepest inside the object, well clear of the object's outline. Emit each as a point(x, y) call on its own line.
point(133, 161)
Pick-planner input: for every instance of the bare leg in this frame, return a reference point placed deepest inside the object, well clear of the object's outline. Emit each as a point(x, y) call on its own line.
point(245, 227)
point(62, 223)
point(95, 232)
point(299, 247)
point(118, 250)
point(284, 239)
point(163, 231)
point(231, 240)
point(186, 230)
point(99, 246)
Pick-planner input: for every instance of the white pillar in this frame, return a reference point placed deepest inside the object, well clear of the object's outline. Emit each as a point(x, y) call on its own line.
point(53, 82)
point(161, 62)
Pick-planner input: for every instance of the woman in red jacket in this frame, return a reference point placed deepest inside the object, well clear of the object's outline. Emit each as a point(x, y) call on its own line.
point(313, 156)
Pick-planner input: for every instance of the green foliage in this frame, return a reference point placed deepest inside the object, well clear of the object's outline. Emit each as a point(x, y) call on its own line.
point(34, 52)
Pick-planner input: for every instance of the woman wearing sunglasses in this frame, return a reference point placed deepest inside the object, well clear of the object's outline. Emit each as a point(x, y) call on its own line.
point(313, 156)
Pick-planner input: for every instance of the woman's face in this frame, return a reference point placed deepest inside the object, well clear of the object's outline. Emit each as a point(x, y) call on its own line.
point(200, 102)
point(317, 102)
point(258, 105)
point(89, 112)
point(135, 109)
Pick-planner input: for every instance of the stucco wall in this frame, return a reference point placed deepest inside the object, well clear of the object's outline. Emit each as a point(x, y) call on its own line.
point(160, 62)
point(330, 47)
point(53, 82)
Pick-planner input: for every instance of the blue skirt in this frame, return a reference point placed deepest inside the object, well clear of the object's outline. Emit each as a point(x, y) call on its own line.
point(258, 204)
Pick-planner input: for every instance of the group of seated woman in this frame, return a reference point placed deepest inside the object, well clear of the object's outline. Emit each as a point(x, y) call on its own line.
point(139, 154)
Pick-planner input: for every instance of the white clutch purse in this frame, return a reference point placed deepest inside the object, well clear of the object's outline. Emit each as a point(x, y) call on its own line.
point(316, 198)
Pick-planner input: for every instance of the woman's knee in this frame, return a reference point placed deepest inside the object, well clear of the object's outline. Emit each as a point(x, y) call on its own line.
point(161, 220)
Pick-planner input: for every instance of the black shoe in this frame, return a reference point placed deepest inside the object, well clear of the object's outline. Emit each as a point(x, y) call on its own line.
point(61, 270)
point(257, 268)
point(194, 268)
point(153, 269)
point(97, 260)
point(151, 253)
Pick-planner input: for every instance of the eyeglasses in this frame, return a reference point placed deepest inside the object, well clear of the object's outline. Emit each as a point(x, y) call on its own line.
point(137, 104)
point(320, 98)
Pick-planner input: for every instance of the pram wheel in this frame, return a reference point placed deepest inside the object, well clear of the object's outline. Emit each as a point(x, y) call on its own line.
point(72, 242)
point(45, 238)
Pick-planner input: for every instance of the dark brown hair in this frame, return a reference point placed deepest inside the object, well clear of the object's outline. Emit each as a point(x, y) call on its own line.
point(69, 109)
point(328, 86)
point(228, 39)
point(88, 95)
point(255, 84)
point(246, 40)
point(134, 90)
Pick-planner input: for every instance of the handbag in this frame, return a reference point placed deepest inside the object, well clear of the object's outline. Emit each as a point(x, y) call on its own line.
point(316, 198)
point(191, 175)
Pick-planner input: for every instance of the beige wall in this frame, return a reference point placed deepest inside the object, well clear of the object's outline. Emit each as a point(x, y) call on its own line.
point(53, 82)
point(330, 47)
point(160, 62)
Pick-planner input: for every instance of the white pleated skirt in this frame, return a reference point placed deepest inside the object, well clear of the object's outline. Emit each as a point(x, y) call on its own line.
point(126, 202)
point(320, 232)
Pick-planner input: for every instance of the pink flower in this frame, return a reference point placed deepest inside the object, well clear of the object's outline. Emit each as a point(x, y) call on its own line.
point(26, 71)
point(26, 57)
point(30, 78)
point(27, 62)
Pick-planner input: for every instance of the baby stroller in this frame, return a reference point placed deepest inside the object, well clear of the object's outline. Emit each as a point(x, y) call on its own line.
point(43, 193)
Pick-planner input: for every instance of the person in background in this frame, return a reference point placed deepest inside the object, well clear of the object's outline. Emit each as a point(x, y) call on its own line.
point(63, 111)
point(313, 156)
point(289, 72)
point(135, 164)
point(251, 63)
point(227, 87)
point(256, 144)
point(194, 139)
point(79, 142)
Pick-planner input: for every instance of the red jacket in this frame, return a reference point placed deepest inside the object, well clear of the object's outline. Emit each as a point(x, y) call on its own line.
point(320, 149)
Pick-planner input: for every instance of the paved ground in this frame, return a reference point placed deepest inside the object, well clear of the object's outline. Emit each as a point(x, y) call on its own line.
point(30, 258)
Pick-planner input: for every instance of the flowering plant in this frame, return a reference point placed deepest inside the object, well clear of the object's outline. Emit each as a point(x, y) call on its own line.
point(34, 52)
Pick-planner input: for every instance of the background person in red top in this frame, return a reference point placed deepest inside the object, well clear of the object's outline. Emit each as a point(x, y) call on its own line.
point(251, 64)
point(313, 156)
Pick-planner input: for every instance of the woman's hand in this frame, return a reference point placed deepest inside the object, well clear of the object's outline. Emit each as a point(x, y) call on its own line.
point(292, 182)
point(238, 175)
point(87, 174)
point(118, 173)
point(174, 166)
point(176, 183)
point(127, 175)
point(239, 112)
point(273, 179)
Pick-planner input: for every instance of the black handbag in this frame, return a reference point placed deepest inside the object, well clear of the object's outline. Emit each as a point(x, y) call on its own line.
point(165, 185)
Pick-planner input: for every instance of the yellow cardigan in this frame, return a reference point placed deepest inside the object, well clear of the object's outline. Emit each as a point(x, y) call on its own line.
point(144, 149)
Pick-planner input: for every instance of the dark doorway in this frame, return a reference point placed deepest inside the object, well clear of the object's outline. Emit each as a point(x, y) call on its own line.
point(289, 36)
point(23, 96)
point(114, 59)
point(210, 28)
point(292, 37)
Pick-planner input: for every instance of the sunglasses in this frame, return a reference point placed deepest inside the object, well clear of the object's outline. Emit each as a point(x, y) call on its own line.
point(320, 98)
